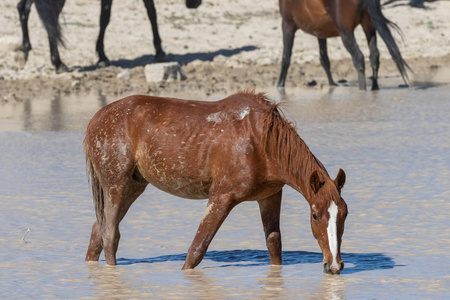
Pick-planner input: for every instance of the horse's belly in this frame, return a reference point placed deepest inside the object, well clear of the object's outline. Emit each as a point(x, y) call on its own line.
point(182, 188)
point(312, 17)
point(322, 27)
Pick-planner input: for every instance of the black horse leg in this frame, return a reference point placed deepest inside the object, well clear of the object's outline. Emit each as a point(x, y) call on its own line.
point(288, 41)
point(358, 58)
point(105, 15)
point(24, 8)
point(151, 11)
point(374, 54)
point(325, 61)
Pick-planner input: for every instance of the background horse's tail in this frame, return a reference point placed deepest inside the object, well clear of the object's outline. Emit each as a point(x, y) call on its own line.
point(381, 24)
point(97, 190)
point(48, 11)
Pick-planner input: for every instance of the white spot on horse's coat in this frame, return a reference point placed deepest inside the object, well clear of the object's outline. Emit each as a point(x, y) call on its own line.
point(332, 232)
point(217, 117)
point(243, 113)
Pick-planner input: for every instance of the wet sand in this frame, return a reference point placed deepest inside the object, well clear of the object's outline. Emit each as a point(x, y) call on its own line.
point(223, 47)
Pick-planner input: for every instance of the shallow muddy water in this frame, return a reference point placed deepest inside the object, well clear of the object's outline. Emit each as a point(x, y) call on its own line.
point(394, 145)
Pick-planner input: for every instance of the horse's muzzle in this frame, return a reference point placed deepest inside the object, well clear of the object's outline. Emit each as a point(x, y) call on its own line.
point(331, 269)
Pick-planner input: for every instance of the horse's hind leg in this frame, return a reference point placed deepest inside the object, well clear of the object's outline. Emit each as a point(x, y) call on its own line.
point(49, 16)
point(105, 15)
point(325, 61)
point(349, 41)
point(95, 243)
point(121, 196)
point(270, 216)
point(24, 7)
point(151, 12)
point(371, 36)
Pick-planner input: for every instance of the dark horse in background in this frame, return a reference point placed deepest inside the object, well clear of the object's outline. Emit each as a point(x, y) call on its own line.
point(331, 18)
point(49, 11)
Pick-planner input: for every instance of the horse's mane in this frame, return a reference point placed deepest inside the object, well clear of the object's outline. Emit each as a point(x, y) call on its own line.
point(282, 142)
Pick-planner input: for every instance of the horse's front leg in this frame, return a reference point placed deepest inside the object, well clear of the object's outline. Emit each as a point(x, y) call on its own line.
point(160, 56)
point(270, 216)
point(288, 42)
point(24, 8)
point(105, 15)
point(216, 212)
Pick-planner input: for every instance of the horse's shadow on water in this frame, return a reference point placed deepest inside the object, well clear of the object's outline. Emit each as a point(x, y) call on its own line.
point(247, 258)
point(181, 58)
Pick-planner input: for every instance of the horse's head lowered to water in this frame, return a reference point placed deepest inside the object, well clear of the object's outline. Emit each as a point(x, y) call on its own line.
point(328, 214)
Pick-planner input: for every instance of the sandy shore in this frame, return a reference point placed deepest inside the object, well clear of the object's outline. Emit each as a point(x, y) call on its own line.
point(223, 47)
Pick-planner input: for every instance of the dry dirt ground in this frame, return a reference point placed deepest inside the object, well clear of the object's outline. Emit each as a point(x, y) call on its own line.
point(223, 46)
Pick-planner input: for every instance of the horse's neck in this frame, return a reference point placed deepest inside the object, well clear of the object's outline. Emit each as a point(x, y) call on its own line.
point(305, 164)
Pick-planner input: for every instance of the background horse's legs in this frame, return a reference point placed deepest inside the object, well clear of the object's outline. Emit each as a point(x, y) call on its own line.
point(105, 15)
point(151, 11)
point(24, 8)
point(270, 216)
point(217, 210)
point(49, 11)
point(371, 36)
point(358, 59)
point(288, 41)
point(325, 61)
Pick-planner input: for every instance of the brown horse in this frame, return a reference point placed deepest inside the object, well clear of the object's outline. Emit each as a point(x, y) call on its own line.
point(229, 151)
point(331, 18)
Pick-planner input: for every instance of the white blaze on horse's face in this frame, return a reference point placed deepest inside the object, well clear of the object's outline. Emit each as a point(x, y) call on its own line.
point(332, 233)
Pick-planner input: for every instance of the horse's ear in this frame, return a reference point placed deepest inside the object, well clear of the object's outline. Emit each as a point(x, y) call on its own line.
point(340, 180)
point(314, 181)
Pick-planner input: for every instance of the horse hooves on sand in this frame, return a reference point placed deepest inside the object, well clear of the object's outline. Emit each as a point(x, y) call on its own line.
point(62, 68)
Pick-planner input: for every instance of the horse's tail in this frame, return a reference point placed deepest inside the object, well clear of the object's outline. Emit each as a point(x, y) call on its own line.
point(48, 11)
point(97, 190)
point(381, 24)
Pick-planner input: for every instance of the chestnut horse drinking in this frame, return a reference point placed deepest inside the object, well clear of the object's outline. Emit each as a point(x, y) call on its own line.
point(331, 18)
point(237, 149)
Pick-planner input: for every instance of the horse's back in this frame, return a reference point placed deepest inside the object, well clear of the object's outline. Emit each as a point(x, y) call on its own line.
point(180, 146)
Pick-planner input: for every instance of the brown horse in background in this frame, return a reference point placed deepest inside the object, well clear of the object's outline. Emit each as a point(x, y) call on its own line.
point(331, 18)
point(229, 151)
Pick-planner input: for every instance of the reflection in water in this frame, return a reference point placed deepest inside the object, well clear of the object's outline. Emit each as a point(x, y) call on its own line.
point(273, 284)
point(203, 286)
point(332, 287)
point(107, 280)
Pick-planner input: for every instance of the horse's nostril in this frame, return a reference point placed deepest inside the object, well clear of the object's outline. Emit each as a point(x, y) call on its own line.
point(342, 266)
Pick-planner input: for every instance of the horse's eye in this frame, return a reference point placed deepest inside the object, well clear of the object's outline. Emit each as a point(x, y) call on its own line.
point(315, 217)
